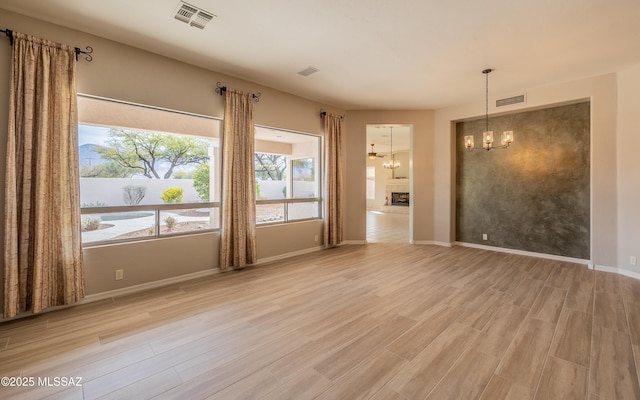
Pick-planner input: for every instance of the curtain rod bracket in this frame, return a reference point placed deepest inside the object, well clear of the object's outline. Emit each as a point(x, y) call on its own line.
point(222, 90)
point(9, 34)
point(324, 113)
point(87, 52)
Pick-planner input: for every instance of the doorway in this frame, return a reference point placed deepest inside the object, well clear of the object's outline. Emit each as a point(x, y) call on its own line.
point(388, 183)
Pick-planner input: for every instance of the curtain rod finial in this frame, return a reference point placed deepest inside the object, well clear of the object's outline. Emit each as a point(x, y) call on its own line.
point(220, 89)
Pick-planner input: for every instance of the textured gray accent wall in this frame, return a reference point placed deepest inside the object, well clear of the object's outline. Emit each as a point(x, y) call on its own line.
point(533, 196)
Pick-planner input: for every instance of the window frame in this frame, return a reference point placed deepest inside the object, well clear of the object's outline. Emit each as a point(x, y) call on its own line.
point(157, 208)
point(290, 200)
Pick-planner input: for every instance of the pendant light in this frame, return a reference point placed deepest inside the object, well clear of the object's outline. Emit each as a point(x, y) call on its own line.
point(391, 164)
point(487, 137)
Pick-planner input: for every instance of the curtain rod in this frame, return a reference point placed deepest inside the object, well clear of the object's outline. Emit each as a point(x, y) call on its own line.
point(222, 89)
point(87, 52)
point(323, 113)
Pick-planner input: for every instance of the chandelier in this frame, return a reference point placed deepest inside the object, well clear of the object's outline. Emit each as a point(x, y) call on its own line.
point(487, 137)
point(391, 164)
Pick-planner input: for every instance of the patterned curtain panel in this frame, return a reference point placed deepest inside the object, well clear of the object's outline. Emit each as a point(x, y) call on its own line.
point(238, 226)
point(333, 180)
point(42, 247)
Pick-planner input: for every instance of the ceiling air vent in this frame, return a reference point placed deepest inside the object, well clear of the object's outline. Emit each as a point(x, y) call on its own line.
point(185, 12)
point(201, 19)
point(510, 100)
point(308, 71)
point(193, 15)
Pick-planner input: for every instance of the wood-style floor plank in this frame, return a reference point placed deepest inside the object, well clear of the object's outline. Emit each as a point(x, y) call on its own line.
point(423, 333)
point(633, 311)
point(500, 388)
point(423, 373)
point(307, 384)
point(500, 331)
point(609, 283)
point(609, 311)
point(563, 380)
point(365, 381)
point(526, 293)
point(580, 297)
point(468, 377)
point(548, 305)
point(613, 371)
point(572, 341)
point(525, 357)
point(343, 360)
point(147, 388)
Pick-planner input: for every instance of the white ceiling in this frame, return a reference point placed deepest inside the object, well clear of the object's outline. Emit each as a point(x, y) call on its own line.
point(381, 137)
point(374, 54)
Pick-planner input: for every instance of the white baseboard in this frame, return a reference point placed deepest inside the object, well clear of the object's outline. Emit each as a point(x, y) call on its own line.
point(605, 268)
point(628, 273)
point(287, 255)
point(431, 243)
point(621, 271)
point(525, 253)
point(354, 241)
point(149, 285)
point(443, 244)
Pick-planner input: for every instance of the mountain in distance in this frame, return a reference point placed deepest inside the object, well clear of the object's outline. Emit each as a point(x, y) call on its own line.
point(88, 155)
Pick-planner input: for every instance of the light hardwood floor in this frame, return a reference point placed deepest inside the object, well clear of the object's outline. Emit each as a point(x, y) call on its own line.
point(379, 321)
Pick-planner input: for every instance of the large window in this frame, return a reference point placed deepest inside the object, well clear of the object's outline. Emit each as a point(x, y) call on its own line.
point(146, 172)
point(288, 172)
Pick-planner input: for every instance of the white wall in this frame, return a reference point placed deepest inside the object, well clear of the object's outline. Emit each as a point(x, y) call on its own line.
point(628, 168)
point(109, 191)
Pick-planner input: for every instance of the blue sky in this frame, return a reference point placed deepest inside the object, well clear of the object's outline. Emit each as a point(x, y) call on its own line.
point(92, 134)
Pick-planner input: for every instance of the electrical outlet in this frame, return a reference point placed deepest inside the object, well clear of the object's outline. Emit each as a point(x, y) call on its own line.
point(485, 236)
point(633, 260)
point(119, 274)
point(315, 238)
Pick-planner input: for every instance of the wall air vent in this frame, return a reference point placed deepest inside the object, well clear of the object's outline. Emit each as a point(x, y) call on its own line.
point(308, 71)
point(511, 100)
point(193, 15)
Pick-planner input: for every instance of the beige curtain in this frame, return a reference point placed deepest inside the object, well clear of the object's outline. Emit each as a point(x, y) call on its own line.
point(238, 227)
point(42, 246)
point(333, 180)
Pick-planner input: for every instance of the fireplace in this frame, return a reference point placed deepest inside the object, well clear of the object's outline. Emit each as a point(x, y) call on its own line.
point(400, 199)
